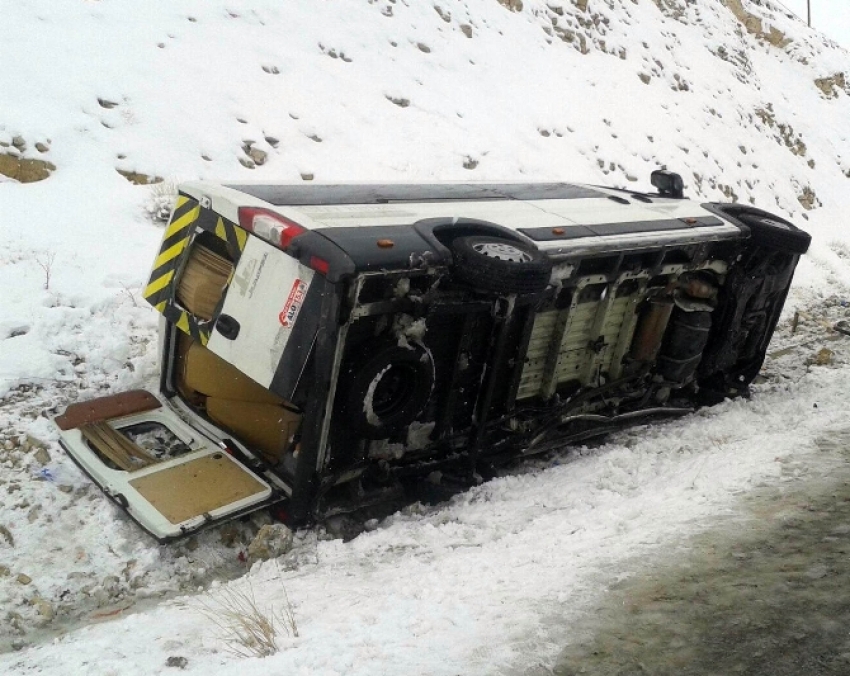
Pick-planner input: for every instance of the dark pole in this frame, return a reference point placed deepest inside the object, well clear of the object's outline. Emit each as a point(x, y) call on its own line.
point(809, 10)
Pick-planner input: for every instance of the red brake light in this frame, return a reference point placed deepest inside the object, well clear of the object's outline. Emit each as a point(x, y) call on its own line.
point(272, 227)
point(320, 265)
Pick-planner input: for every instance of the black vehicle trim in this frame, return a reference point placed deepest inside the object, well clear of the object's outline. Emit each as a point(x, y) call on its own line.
point(306, 479)
point(319, 195)
point(369, 248)
point(293, 360)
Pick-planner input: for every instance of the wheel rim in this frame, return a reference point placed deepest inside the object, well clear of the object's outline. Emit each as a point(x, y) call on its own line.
point(394, 390)
point(502, 252)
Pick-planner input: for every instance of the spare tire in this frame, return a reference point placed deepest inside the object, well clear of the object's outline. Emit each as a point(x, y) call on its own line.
point(386, 391)
point(776, 233)
point(501, 265)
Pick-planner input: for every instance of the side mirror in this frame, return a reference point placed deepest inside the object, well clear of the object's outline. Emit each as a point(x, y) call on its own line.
point(669, 184)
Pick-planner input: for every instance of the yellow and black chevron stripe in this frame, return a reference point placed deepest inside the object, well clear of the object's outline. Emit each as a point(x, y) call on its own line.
point(234, 236)
point(186, 322)
point(160, 291)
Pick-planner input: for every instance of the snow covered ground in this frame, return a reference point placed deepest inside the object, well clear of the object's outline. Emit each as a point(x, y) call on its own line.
point(372, 90)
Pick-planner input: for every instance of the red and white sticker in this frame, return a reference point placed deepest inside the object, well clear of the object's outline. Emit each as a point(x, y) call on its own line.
point(293, 305)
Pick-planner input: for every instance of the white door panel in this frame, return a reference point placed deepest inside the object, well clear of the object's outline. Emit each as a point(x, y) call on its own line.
point(264, 299)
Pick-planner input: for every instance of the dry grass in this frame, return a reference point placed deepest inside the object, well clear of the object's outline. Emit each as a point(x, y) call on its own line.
point(248, 628)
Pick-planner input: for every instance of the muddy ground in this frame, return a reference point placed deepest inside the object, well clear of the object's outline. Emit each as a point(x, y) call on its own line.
point(765, 593)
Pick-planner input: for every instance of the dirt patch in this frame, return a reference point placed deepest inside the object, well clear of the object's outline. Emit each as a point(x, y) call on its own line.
point(25, 170)
point(763, 597)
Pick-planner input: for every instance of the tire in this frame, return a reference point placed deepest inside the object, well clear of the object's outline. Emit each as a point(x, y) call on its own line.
point(500, 265)
point(386, 391)
point(776, 233)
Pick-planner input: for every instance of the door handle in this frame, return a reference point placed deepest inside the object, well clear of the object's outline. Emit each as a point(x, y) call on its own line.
point(227, 326)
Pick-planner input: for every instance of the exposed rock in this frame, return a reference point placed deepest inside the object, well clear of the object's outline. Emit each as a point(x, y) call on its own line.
point(42, 456)
point(466, 29)
point(43, 608)
point(7, 535)
point(19, 143)
point(675, 9)
point(786, 134)
point(822, 357)
point(310, 177)
point(776, 37)
point(23, 579)
point(272, 141)
point(42, 147)
point(111, 585)
point(177, 662)
point(259, 156)
point(830, 85)
point(444, 15)
point(470, 163)
point(25, 170)
point(754, 25)
point(260, 519)
point(33, 514)
point(581, 4)
point(247, 162)
point(272, 541)
point(106, 103)
point(513, 5)
point(5, 571)
point(137, 178)
point(400, 102)
point(808, 199)
point(31, 442)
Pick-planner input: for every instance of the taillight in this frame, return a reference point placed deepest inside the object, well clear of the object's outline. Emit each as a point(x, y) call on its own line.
point(272, 227)
point(320, 265)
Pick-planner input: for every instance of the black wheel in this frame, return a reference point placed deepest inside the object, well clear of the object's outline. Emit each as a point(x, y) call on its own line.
point(500, 265)
point(387, 390)
point(776, 233)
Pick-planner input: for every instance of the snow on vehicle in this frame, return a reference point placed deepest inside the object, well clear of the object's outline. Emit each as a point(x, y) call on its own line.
point(323, 344)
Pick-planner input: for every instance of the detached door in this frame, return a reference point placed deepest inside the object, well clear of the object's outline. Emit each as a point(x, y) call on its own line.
point(166, 475)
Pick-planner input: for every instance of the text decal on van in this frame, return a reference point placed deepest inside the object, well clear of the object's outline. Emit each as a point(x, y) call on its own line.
point(293, 304)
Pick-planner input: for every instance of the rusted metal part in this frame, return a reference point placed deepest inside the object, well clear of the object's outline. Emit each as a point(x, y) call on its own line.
point(650, 330)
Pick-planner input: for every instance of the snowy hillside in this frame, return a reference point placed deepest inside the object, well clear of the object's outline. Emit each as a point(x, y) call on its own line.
point(102, 100)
